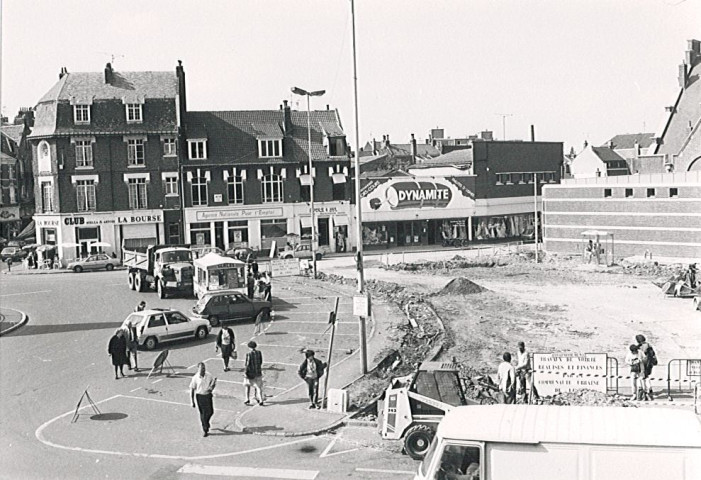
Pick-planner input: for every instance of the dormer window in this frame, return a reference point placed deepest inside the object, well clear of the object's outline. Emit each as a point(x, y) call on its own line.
point(134, 113)
point(81, 114)
point(197, 149)
point(269, 148)
point(337, 146)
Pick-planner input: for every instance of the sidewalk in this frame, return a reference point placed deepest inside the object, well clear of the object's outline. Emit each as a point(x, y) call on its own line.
point(287, 414)
point(10, 320)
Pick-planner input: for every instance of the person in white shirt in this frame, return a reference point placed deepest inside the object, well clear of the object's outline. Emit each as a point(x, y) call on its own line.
point(201, 387)
point(524, 377)
point(506, 378)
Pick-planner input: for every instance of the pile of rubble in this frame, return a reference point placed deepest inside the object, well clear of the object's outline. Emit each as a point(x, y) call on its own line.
point(650, 269)
point(586, 397)
point(461, 286)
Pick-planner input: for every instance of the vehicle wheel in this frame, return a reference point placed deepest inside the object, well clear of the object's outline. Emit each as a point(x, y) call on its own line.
point(214, 321)
point(151, 343)
point(417, 440)
point(130, 281)
point(201, 333)
point(77, 269)
point(161, 289)
point(138, 282)
point(109, 267)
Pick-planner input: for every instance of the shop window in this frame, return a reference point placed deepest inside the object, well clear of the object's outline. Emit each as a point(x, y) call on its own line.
point(650, 193)
point(673, 192)
point(274, 228)
point(607, 192)
point(375, 234)
point(201, 234)
point(238, 233)
point(629, 192)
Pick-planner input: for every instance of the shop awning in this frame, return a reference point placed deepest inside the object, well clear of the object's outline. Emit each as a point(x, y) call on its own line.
point(305, 180)
point(306, 222)
point(340, 220)
point(338, 178)
point(29, 231)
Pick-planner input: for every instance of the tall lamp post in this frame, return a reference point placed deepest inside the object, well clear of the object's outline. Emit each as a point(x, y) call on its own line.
point(317, 93)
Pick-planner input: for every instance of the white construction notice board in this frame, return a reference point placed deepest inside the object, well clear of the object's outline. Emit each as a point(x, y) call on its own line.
point(564, 372)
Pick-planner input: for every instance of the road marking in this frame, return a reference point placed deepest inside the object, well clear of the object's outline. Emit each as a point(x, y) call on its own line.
point(132, 391)
point(283, 322)
point(249, 472)
point(268, 363)
point(241, 383)
point(320, 333)
point(379, 470)
point(319, 312)
point(39, 434)
point(156, 381)
point(170, 402)
point(298, 347)
point(25, 293)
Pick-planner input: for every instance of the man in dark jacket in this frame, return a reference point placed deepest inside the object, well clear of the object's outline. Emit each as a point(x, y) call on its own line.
point(311, 370)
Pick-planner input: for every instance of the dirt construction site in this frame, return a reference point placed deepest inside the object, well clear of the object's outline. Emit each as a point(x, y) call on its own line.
point(560, 305)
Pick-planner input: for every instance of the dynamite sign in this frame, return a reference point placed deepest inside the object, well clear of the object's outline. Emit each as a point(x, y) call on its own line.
point(414, 195)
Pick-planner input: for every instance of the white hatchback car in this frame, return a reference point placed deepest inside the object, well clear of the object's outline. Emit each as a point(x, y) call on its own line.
point(163, 325)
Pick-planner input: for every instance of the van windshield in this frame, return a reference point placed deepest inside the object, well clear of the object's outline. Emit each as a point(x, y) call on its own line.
point(423, 468)
point(177, 256)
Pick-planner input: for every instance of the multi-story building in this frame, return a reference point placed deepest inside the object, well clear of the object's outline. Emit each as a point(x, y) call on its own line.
point(487, 191)
point(105, 159)
point(246, 178)
point(16, 180)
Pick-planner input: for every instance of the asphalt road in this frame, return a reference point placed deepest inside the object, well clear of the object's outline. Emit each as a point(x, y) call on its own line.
point(148, 429)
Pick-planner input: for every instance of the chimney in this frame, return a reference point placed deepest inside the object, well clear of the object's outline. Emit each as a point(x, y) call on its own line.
point(287, 125)
point(413, 149)
point(683, 75)
point(487, 135)
point(180, 74)
point(62, 73)
point(386, 137)
point(532, 133)
point(610, 144)
point(108, 73)
point(636, 149)
point(327, 106)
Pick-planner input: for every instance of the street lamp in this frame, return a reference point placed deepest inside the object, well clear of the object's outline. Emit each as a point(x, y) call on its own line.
point(318, 93)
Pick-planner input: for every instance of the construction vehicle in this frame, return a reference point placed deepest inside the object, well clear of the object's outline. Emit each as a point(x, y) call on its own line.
point(413, 405)
point(164, 268)
point(683, 285)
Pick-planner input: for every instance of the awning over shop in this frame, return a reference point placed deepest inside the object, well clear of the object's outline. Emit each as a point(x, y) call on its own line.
point(338, 178)
point(305, 179)
point(29, 231)
point(306, 222)
point(340, 220)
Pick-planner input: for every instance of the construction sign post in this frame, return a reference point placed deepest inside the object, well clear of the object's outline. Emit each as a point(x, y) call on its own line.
point(555, 373)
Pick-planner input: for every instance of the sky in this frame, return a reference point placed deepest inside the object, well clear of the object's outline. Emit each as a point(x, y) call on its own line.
point(575, 69)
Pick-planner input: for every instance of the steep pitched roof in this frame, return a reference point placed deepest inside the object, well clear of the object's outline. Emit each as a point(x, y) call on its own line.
point(606, 154)
point(14, 132)
point(629, 140)
point(458, 158)
point(91, 86)
point(232, 136)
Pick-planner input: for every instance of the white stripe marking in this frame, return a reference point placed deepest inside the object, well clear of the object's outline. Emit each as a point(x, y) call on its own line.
point(379, 470)
point(269, 364)
point(25, 293)
point(282, 322)
point(241, 383)
point(319, 333)
point(156, 381)
point(249, 472)
point(275, 346)
point(328, 447)
point(341, 452)
point(132, 391)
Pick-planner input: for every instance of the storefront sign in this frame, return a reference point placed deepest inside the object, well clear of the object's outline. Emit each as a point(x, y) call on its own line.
point(238, 214)
point(9, 214)
point(70, 221)
point(46, 222)
point(133, 219)
point(564, 372)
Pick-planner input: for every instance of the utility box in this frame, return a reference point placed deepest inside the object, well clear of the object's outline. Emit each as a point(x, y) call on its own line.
point(338, 400)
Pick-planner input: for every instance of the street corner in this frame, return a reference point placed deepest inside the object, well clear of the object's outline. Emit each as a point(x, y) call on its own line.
point(140, 426)
point(11, 320)
point(287, 416)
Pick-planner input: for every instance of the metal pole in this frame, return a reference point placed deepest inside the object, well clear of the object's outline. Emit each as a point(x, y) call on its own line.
point(358, 210)
point(535, 212)
point(311, 187)
point(328, 356)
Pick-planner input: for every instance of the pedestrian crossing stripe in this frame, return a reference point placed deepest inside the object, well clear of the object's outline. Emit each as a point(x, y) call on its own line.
point(251, 472)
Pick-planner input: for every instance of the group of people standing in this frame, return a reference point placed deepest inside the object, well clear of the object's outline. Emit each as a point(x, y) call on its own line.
point(518, 379)
point(641, 357)
point(123, 345)
point(263, 280)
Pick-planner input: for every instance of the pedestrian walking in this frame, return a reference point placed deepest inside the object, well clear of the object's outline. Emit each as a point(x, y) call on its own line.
point(250, 285)
point(267, 287)
point(9, 264)
point(506, 379)
point(311, 370)
point(524, 375)
point(226, 342)
point(132, 340)
point(201, 387)
point(634, 362)
point(253, 374)
point(117, 349)
point(140, 307)
point(648, 359)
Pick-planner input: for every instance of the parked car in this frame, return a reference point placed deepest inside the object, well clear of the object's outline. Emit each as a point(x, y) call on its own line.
point(15, 253)
point(242, 253)
point(160, 325)
point(201, 251)
point(97, 261)
point(216, 307)
point(300, 251)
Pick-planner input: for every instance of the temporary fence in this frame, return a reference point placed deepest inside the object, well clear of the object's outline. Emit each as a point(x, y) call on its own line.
point(687, 375)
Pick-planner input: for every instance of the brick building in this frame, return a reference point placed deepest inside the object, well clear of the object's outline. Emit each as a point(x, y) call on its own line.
point(105, 159)
point(246, 178)
point(658, 213)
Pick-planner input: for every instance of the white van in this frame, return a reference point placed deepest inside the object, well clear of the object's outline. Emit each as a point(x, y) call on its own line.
point(538, 442)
